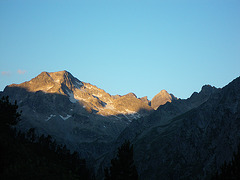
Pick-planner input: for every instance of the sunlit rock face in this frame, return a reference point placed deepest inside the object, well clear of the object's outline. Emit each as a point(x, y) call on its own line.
point(162, 98)
point(145, 100)
point(92, 98)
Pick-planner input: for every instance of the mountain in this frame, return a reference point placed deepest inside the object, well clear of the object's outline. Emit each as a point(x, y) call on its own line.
point(93, 99)
point(161, 117)
point(75, 113)
point(172, 138)
point(161, 98)
point(186, 139)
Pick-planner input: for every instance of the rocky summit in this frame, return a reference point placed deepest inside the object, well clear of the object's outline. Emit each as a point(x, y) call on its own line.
point(161, 98)
point(90, 97)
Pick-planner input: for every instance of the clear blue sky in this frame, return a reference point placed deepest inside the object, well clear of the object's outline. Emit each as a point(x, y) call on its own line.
point(122, 46)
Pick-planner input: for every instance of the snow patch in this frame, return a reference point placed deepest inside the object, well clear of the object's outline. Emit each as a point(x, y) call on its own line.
point(79, 98)
point(91, 87)
point(71, 97)
point(65, 118)
point(78, 84)
point(135, 116)
point(97, 95)
point(117, 116)
point(49, 117)
point(109, 106)
point(130, 112)
point(48, 87)
point(127, 117)
point(57, 80)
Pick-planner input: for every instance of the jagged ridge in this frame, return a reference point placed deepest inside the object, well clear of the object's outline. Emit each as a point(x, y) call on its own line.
point(92, 98)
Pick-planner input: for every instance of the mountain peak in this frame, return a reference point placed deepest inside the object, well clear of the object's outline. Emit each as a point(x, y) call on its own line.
point(51, 82)
point(207, 88)
point(62, 76)
point(52, 75)
point(62, 73)
point(131, 95)
point(89, 97)
point(145, 100)
point(161, 98)
point(163, 92)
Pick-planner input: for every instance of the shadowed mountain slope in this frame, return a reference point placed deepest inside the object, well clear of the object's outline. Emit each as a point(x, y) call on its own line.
point(187, 139)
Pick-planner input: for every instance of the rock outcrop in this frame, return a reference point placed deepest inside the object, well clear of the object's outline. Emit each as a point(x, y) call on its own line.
point(145, 100)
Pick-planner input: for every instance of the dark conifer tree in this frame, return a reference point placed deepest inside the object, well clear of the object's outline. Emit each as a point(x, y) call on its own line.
point(31, 135)
point(230, 170)
point(8, 113)
point(28, 156)
point(106, 173)
point(122, 167)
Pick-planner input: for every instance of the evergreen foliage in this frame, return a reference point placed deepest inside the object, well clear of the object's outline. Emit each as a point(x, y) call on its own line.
point(8, 113)
point(26, 156)
point(230, 170)
point(122, 167)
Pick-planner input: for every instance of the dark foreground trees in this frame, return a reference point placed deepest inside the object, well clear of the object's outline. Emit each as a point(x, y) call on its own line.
point(122, 167)
point(8, 114)
point(230, 170)
point(27, 156)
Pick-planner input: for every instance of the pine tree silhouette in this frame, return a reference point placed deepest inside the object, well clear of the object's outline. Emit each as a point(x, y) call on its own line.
point(230, 170)
point(122, 167)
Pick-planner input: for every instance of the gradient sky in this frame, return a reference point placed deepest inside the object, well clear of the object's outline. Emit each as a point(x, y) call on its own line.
point(122, 46)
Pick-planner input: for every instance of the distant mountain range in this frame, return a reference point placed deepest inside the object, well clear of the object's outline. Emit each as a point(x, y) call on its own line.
point(172, 138)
